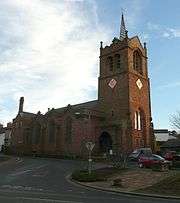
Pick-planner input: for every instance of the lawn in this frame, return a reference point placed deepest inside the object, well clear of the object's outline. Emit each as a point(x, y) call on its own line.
point(133, 180)
point(168, 186)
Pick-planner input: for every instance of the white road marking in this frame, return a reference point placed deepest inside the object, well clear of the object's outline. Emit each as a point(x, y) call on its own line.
point(39, 199)
point(21, 187)
point(19, 160)
point(41, 166)
point(28, 170)
point(20, 172)
point(40, 174)
point(49, 200)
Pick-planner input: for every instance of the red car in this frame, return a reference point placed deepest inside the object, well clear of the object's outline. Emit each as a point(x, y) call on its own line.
point(149, 161)
point(170, 155)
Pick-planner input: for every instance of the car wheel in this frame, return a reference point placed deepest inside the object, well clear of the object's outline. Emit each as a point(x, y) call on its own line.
point(141, 165)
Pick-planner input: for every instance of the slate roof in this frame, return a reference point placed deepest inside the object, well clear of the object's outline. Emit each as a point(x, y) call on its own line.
point(91, 105)
point(88, 105)
point(161, 131)
point(27, 114)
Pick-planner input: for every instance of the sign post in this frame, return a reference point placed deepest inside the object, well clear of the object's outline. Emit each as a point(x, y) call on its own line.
point(90, 146)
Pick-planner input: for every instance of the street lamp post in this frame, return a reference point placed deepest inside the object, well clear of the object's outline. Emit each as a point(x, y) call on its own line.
point(89, 144)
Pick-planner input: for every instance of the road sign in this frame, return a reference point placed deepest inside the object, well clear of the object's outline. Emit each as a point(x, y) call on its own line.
point(90, 146)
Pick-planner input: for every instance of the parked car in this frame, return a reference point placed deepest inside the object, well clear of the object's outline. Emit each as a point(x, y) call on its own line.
point(170, 155)
point(150, 161)
point(134, 156)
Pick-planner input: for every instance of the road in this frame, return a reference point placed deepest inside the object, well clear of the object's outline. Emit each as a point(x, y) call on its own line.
point(44, 180)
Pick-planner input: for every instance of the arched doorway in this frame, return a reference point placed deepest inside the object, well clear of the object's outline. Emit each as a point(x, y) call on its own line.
point(105, 142)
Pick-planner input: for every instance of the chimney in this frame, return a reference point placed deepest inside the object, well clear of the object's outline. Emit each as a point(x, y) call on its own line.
point(21, 103)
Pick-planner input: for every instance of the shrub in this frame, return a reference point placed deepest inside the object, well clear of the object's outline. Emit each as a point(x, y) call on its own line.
point(117, 182)
point(84, 176)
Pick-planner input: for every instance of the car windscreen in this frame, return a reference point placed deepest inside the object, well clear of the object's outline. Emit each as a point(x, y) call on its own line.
point(158, 157)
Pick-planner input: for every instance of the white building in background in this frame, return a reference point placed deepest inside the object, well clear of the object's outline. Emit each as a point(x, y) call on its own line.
point(162, 135)
point(7, 140)
point(2, 137)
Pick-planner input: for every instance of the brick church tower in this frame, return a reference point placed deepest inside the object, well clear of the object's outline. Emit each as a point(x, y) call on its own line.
point(124, 92)
point(119, 120)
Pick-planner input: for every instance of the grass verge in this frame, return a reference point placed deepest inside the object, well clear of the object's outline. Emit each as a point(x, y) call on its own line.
point(169, 186)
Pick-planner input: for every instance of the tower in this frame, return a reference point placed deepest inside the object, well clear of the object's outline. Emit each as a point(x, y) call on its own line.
point(124, 91)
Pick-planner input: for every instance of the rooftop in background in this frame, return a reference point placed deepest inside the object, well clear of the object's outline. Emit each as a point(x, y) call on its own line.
point(163, 135)
point(161, 131)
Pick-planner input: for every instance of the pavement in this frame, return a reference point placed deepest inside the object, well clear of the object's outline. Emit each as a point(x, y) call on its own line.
point(25, 179)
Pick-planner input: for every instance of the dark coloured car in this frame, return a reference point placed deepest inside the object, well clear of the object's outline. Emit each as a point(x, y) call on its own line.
point(150, 161)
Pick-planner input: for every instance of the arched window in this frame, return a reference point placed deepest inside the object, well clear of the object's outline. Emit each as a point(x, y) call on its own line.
point(27, 136)
point(137, 62)
point(51, 131)
point(110, 63)
point(36, 133)
point(118, 61)
point(69, 130)
point(137, 120)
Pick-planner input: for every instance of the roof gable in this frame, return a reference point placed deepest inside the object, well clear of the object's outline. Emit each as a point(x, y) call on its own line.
point(136, 40)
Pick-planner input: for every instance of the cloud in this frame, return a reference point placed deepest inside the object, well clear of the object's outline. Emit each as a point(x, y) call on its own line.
point(166, 35)
point(135, 10)
point(174, 32)
point(162, 31)
point(48, 53)
point(152, 26)
point(169, 85)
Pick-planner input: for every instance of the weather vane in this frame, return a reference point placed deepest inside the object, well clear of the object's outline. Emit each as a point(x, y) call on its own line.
point(122, 10)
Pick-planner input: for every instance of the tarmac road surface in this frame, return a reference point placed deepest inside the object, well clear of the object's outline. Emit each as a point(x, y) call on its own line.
point(44, 180)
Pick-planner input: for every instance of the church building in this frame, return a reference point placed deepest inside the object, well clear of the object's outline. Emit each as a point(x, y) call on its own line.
point(119, 120)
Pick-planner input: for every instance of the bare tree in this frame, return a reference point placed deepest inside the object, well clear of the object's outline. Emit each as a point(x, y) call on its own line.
point(175, 120)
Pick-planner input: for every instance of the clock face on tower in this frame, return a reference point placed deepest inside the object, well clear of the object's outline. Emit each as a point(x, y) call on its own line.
point(112, 83)
point(139, 84)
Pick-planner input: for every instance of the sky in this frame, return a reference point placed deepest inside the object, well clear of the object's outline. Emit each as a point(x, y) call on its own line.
point(49, 51)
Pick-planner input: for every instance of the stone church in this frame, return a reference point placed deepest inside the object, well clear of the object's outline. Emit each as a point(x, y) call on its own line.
point(119, 120)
